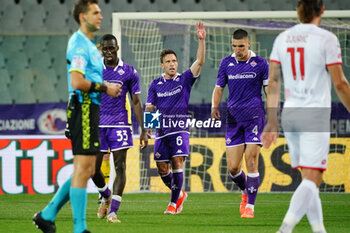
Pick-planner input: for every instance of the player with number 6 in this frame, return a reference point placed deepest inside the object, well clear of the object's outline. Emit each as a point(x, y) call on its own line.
point(170, 94)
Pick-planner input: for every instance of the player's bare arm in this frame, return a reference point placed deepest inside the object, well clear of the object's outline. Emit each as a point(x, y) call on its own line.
point(137, 106)
point(215, 102)
point(272, 100)
point(80, 83)
point(265, 90)
point(341, 84)
point(149, 108)
point(197, 65)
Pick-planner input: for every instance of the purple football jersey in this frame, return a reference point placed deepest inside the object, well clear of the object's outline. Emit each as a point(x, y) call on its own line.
point(117, 111)
point(171, 97)
point(245, 80)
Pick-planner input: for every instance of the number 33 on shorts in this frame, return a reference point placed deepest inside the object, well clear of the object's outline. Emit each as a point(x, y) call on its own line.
point(122, 135)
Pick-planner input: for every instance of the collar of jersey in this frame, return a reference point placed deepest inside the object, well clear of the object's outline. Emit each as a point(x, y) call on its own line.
point(252, 54)
point(120, 64)
point(163, 75)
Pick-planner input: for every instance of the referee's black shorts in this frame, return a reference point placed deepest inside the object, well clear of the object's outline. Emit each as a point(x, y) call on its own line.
point(83, 126)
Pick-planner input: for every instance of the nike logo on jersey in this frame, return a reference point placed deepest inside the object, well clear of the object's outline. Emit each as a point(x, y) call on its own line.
point(160, 83)
point(231, 64)
point(125, 144)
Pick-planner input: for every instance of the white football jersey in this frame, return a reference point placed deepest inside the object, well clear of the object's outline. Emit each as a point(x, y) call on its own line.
point(304, 52)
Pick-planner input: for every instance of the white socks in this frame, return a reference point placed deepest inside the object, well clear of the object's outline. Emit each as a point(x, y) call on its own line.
point(315, 216)
point(305, 200)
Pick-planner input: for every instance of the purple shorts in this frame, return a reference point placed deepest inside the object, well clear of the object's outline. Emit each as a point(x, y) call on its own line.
point(244, 132)
point(170, 146)
point(113, 139)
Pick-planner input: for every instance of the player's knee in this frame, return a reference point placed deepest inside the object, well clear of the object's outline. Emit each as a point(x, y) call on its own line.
point(252, 165)
point(313, 175)
point(90, 171)
point(233, 170)
point(163, 171)
point(163, 168)
point(177, 166)
point(85, 173)
point(120, 169)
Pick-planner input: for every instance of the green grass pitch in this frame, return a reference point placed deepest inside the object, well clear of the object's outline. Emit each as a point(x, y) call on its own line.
point(203, 212)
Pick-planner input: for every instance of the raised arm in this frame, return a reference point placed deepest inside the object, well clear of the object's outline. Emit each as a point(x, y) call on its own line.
point(341, 85)
point(197, 65)
point(272, 101)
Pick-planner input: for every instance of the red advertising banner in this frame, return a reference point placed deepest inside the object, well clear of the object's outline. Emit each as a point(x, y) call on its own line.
point(39, 164)
point(34, 165)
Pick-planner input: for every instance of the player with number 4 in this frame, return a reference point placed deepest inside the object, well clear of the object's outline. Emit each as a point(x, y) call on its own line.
point(245, 73)
point(170, 94)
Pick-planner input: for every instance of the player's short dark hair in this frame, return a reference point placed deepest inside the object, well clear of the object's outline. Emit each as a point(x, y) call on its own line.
point(81, 6)
point(166, 52)
point(108, 37)
point(308, 9)
point(239, 34)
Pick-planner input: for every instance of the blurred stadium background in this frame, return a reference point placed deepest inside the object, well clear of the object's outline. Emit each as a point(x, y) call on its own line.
point(33, 94)
point(34, 35)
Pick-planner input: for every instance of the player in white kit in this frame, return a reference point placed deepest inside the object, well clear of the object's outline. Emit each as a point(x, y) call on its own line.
point(310, 58)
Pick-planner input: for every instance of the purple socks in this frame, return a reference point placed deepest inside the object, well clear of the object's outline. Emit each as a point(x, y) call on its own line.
point(239, 179)
point(252, 185)
point(167, 179)
point(176, 184)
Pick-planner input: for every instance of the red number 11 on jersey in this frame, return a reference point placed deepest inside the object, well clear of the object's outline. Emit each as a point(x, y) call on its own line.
point(301, 61)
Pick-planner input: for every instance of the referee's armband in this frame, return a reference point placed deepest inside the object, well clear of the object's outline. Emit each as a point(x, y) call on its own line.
point(98, 87)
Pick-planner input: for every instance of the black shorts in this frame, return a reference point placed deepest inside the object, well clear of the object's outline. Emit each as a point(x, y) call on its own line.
point(83, 122)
